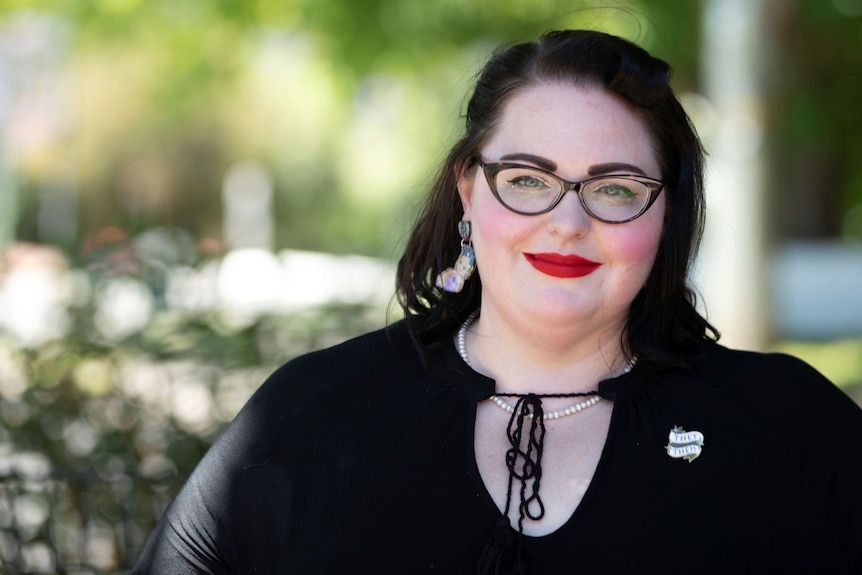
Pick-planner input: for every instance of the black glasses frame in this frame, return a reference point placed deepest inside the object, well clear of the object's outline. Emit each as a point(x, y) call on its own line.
point(492, 169)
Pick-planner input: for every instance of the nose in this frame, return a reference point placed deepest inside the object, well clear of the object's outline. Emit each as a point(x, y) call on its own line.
point(569, 218)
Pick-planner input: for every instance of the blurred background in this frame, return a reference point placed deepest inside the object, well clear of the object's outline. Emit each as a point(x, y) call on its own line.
point(194, 191)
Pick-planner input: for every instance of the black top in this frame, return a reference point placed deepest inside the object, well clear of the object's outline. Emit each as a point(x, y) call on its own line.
point(359, 459)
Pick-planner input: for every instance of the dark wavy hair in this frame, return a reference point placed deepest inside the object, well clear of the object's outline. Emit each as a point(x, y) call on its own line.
point(663, 326)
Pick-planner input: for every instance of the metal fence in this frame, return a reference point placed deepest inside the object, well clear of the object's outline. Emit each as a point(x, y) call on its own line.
point(77, 522)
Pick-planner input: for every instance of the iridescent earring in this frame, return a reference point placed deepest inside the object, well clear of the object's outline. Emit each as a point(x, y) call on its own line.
point(452, 279)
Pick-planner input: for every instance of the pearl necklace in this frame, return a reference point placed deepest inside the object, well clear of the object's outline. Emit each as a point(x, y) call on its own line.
point(503, 404)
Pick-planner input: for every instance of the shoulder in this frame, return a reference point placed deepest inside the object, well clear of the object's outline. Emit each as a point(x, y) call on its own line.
point(310, 405)
point(387, 347)
point(770, 372)
point(312, 379)
point(719, 359)
point(787, 408)
point(384, 353)
point(779, 387)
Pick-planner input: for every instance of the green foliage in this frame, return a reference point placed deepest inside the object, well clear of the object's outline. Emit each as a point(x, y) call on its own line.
point(174, 92)
point(815, 115)
point(99, 432)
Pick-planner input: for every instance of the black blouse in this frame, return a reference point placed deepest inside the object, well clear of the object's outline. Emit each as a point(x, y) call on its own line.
point(359, 459)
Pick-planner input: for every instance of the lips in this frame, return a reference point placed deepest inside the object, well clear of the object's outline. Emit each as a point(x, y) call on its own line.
point(562, 266)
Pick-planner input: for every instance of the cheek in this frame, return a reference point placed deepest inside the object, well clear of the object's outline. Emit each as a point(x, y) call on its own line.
point(496, 227)
point(641, 238)
point(498, 237)
point(640, 248)
point(636, 253)
point(635, 245)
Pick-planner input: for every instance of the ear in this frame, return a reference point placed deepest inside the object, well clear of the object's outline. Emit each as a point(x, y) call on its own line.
point(465, 176)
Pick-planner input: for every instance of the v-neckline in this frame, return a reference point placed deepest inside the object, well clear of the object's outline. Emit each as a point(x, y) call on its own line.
point(457, 374)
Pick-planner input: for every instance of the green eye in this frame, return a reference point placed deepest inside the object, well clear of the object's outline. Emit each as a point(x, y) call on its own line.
point(616, 191)
point(527, 183)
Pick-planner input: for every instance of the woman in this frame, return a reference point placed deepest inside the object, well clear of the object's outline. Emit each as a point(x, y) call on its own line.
point(553, 401)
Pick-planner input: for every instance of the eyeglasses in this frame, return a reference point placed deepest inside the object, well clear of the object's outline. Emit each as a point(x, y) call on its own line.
point(613, 199)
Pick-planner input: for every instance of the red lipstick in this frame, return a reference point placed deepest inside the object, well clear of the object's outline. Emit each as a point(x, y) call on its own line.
point(562, 266)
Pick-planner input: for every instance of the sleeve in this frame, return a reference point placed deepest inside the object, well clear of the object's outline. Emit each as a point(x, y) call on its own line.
point(826, 426)
point(191, 538)
point(187, 539)
point(222, 521)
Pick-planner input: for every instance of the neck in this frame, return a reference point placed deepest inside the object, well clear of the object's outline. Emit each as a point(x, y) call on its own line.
point(533, 358)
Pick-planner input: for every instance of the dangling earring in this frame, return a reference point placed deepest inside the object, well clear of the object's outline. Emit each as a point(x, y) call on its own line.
point(452, 279)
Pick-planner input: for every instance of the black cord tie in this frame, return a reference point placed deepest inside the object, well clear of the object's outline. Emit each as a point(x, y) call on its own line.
point(502, 553)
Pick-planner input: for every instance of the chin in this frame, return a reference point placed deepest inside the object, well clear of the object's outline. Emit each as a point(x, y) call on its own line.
point(559, 311)
point(551, 311)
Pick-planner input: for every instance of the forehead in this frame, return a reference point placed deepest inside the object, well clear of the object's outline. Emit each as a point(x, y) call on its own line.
point(573, 126)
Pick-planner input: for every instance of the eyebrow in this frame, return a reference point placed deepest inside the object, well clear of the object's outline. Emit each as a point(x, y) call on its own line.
point(594, 170)
point(612, 167)
point(543, 163)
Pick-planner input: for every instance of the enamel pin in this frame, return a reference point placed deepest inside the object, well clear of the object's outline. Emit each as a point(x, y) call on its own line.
point(684, 444)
